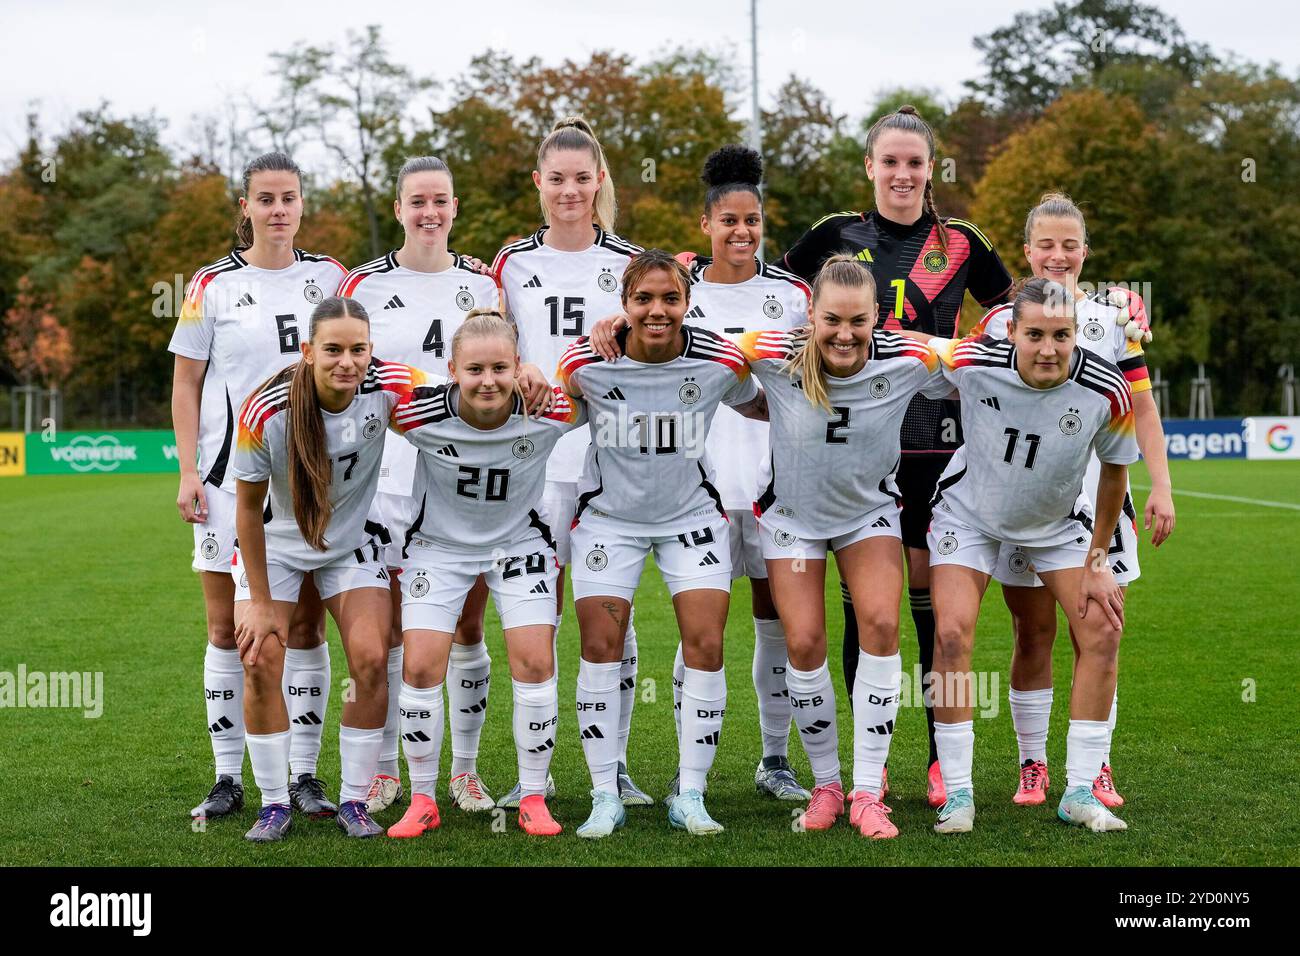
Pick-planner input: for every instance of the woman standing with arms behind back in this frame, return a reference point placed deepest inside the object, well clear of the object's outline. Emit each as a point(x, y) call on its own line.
point(242, 321)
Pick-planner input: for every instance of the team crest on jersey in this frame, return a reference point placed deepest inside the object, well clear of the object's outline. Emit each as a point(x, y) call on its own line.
point(371, 428)
point(1094, 331)
point(597, 559)
point(1018, 563)
point(935, 261)
point(523, 448)
point(209, 548)
point(313, 293)
point(607, 281)
point(879, 386)
point(1071, 423)
point(419, 586)
point(772, 308)
point(464, 299)
point(689, 393)
point(947, 544)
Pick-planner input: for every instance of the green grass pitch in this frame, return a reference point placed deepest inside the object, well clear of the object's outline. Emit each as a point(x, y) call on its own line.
point(96, 578)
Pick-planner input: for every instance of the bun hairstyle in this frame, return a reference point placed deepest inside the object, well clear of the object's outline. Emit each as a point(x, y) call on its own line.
point(1055, 205)
point(421, 164)
point(907, 120)
point(267, 162)
point(574, 132)
point(807, 364)
point(484, 323)
point(311, 469)
point(730, 169)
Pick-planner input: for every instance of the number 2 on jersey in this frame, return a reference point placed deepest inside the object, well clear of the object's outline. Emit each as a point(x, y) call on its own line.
point(834, 425)
point(573, 314)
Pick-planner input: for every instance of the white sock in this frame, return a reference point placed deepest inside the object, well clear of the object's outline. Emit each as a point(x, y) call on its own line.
point(536, 722)
point(770, 663)
point(223, 689)
point(468, 676)
point(392, 723)
point(598, 707)
point(269, 755)
point(306, 695)
point(679, 674)
point(704, 704)
point(358, 759)
point(812, 701)
point(1031, 713)
point(956, 746)
point(1110, 724)
point(627, 688)
point(420, 715)
point(875, 708)
point(1084, 746)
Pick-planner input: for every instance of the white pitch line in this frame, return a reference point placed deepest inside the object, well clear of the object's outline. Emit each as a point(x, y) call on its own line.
point(1245, 501)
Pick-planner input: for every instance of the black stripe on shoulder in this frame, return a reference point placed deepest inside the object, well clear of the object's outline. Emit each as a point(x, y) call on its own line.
point(987, 352)
point(230, 261)
point(887, 344)
point(705, 344)
point(519, 245)
point(617, 243)
point(697, 267)
point(428, 403)
point(776, 272)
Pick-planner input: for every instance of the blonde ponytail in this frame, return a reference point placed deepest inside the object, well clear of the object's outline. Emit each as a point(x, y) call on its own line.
point(574, 132)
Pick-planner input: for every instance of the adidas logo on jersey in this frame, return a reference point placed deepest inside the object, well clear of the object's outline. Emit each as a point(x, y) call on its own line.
point(533, 283)
point(395, 303)
point(245, 299)
point(710, 559)
point(881, 522)
point(448, 450)
point(991, 402)
point(615, 395)
point(695, 313)
point(540, 588)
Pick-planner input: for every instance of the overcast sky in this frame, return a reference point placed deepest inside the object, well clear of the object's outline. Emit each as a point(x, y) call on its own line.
point(184, 58)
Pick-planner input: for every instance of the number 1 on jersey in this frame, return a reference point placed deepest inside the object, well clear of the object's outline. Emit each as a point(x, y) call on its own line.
point(899, 286)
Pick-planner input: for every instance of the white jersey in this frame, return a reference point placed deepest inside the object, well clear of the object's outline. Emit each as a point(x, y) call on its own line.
point(553, 297)
point(1019, 476)
point(477, 491)
point(413, 316)
point(354, 439)
point(773, 300)
point(831, 468)
point(246, 323)
point(647, 467)
point(1098, 333)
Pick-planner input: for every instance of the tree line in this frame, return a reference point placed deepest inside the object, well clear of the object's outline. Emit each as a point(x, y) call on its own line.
point(1182, 159)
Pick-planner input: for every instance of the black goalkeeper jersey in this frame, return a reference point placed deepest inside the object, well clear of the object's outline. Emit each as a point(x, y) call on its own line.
point(919, 285)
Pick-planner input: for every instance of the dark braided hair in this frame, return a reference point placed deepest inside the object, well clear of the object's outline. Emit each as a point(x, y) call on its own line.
point(908, 120)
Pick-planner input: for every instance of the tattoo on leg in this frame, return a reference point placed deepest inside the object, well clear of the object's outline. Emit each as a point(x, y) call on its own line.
point(612, 610)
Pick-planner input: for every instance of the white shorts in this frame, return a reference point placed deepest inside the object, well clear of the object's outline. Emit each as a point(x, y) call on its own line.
point(395, 513)
point(953, 542)
point(214, 539)
point(608, 562)
point(1015, 569)
point(779, 544)
point(434, 587)
point(746, 549)
point(362, 568)
point(559, 505)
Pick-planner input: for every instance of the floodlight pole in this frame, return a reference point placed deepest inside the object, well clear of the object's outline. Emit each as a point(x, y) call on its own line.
point(756, 116)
